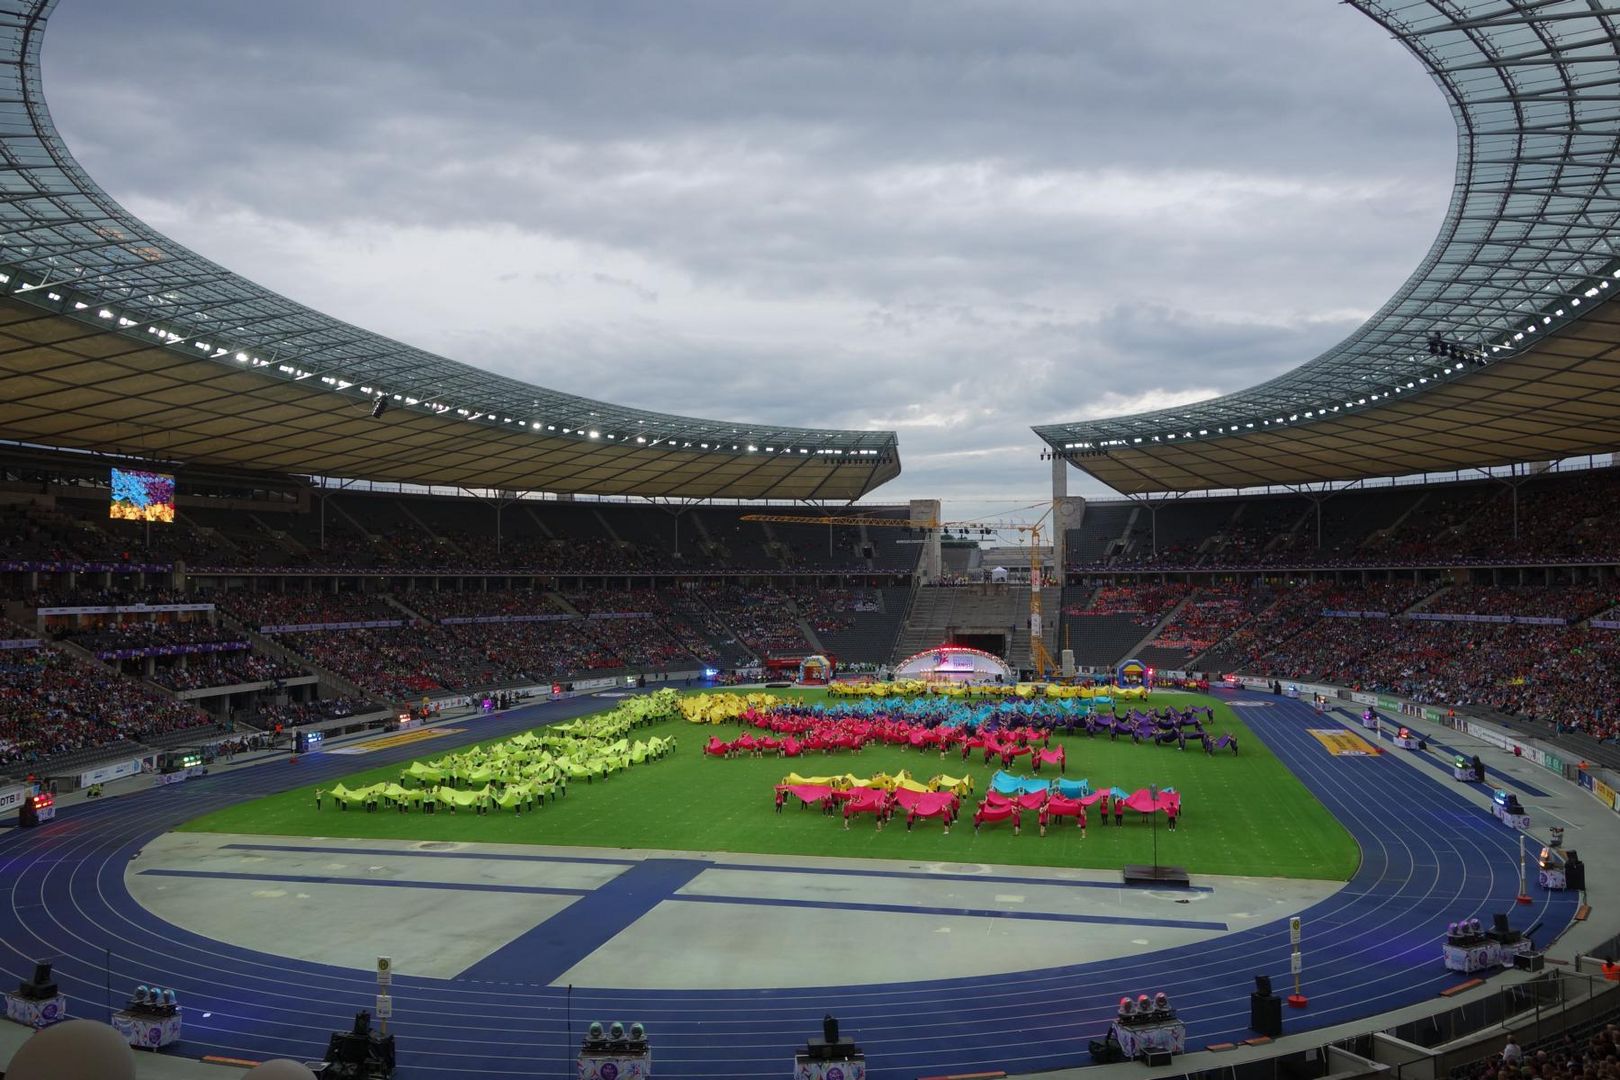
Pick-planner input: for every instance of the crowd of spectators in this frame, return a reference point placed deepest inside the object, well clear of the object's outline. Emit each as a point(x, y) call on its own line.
point(228, 669)
point(1555, 518)
point(761, 617)
point(832, 610)
point(564, 555)
point(258, 609)
point(608, 601)
point(1211, 614)
point(1566, 676)
point(1571, 602)
point(52, 703)
point(296, 714)
point(118, 637)
point(1148, 602)
point(116, 595)
point(1594, 1056)
point(474, 604)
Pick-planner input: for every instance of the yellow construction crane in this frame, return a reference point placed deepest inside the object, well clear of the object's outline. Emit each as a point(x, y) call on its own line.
point(1039, 655)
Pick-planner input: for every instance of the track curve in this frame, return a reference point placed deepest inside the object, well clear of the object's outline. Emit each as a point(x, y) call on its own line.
point(1429, 857)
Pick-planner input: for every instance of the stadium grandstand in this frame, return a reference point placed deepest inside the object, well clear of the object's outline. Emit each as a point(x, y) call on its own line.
point(242, 540)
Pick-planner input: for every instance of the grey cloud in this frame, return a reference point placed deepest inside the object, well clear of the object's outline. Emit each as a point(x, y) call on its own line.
point(964, 217)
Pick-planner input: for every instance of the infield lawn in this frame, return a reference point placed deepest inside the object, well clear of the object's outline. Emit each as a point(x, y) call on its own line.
point(1243, 815)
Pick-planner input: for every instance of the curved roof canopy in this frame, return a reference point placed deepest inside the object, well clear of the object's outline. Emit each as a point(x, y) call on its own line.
point(1501, 347)
point(114, 337)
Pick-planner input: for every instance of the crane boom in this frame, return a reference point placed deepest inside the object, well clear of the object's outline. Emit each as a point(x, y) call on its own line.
point(1039, 654)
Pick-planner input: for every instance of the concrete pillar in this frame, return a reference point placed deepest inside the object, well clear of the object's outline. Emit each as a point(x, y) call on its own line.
point(928, 566)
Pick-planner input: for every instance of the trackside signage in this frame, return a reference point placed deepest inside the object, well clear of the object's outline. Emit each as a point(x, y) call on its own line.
point(11, 798)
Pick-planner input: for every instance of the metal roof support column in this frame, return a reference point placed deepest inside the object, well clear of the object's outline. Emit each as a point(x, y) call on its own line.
point(1153, 513)
point(500, 500)
point(675, 511)
point(1514, 481)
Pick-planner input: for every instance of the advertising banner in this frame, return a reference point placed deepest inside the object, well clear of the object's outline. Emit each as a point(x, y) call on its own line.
point(1389, 704)
point(172, 650)
point(1521, 620)
point(124, 609)
point(104, 773)
point(1605, 794)
point(299, 628)
point(12, 797)
point(463, 620)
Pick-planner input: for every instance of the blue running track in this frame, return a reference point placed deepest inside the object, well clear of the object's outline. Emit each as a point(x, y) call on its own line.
point(1428, 857)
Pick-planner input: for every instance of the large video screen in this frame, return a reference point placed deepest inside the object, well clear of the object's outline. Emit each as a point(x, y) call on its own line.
point(142, 496)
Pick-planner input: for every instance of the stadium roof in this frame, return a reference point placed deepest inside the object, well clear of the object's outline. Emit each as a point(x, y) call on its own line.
point(114, 337)
point(1503, 346)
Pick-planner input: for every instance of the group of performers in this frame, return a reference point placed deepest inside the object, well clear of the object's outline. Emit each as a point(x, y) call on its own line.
point(887, 797)
point(1003, 730)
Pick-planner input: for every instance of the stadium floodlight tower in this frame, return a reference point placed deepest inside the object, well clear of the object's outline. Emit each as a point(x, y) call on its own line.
point(114, 337)
point(1500, 349)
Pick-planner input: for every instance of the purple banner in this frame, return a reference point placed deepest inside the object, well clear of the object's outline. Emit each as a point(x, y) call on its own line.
point(1519, 620)
point(31, 566)
point(619, 615)
point(123, 609)
point(299, 628)
point(20, 643)
point(462, 620)
point(172, 650)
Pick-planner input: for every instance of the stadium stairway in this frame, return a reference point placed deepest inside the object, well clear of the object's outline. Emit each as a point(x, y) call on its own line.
point(810, 635)
point(871, 640)
point(1101, 640)
point(404, 609)
point(1145, 651)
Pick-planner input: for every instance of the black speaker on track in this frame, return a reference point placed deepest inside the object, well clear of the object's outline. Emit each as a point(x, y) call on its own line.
point(1265, 1015)
point(1156, 1059)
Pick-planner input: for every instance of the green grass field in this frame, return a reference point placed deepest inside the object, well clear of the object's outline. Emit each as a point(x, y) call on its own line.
point(1244, 815)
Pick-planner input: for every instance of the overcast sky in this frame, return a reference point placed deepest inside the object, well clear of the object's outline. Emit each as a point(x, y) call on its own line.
point(950, 218)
